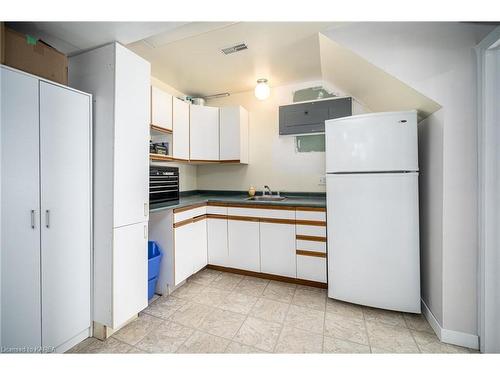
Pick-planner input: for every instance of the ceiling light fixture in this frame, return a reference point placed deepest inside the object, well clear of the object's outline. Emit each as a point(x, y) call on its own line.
point(262, 89)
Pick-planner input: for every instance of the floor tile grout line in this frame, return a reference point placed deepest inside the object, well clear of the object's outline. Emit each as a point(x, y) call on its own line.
point(415, 341)
point(281, 331)
point(366, 330)
point(324, 327)
point(187, 338)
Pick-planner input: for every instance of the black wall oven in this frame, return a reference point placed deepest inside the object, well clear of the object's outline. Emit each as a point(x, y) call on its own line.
point(163, 186)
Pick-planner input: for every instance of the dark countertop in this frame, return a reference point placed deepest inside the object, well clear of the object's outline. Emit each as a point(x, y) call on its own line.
point(238, 197)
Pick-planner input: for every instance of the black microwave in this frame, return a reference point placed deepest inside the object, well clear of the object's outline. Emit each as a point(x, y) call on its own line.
point(163, 186)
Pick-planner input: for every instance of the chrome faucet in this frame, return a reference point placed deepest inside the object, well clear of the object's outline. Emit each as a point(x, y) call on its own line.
point(268, 189)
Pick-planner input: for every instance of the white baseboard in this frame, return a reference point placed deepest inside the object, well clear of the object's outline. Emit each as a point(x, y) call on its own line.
point(448, 336)
point(460, 338)
point(73, 341)
point(431, 319)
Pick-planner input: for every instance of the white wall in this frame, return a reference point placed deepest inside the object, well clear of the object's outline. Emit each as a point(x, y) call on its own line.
point(437, 60)
point(430, 145)
point(273, 160)
point(187, 173)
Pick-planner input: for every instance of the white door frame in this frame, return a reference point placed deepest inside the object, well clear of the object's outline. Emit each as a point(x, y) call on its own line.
point(488, 95)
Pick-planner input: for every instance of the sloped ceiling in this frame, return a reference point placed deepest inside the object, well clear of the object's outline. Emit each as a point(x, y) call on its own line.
point(282, 52)
point(372, 86)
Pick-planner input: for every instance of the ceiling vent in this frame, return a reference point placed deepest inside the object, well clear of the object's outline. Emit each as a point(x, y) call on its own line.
point(236, 48)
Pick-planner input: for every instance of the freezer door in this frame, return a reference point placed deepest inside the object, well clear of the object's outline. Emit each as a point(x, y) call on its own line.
point(372, 142)
point(373, 240)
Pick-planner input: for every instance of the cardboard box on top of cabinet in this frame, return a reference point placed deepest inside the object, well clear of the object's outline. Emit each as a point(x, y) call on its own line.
point(34, 56)
point(2, 42)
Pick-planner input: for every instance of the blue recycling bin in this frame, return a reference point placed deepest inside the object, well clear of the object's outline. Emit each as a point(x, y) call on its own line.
point(154, 259)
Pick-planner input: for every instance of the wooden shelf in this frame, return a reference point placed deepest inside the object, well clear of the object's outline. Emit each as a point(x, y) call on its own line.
point(159, 130)
point(158, 157)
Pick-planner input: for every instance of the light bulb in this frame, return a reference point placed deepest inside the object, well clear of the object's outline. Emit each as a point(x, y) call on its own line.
point(262, 89)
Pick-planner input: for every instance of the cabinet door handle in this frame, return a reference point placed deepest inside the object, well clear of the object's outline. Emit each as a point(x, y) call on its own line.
point(145, 231)
point(198, 218)
point(146, 210)
point(32, 219)
point(47, 218)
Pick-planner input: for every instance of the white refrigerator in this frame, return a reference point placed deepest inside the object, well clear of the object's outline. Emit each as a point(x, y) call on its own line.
point(372, 206)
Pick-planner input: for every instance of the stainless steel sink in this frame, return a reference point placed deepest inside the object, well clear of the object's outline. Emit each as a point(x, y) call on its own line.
point(266, 198)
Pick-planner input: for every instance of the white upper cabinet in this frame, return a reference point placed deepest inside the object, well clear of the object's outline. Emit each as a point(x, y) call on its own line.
point(131, 149)
point(204, 133)
point(161, 108)
point(234, 134)
point(180, 127)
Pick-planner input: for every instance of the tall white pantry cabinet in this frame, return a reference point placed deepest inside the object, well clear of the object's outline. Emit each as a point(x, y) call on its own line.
point(46, 214)
point(120, 83)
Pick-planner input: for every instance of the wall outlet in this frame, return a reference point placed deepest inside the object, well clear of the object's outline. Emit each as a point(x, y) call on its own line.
point(322, 180)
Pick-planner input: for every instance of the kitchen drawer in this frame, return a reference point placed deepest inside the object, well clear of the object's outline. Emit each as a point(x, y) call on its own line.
point(311, 246)
point(311, 268)
point(310, 215)
point(310, 230)
point(217, 210)
point(260, 212)
point(188, 214)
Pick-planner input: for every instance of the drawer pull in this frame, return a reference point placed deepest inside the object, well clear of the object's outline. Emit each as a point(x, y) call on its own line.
point(311, 253)
point(310, 238)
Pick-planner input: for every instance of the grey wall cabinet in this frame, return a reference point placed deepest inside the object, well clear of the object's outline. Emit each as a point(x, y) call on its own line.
point(310, 117)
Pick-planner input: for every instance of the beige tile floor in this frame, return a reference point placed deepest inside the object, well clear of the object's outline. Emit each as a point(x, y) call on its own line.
point(216, 312)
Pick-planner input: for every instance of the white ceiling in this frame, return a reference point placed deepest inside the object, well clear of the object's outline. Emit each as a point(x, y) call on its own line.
point(72, 37)
point(189, 58)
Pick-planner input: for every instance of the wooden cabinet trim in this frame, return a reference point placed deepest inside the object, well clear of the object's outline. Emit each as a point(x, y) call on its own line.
point(183, 222)
point(216, 216)
point(187, 208)
point(277, 221)
point(199, 218)
point(311, 222)
point(190, 220)
point(310, 238)
point(311, 253)
point(318, 209)
point(217, 204)
point(229, 161)
point(261, 206)
point(269, 276)
point(243, 218)
point(160, 129)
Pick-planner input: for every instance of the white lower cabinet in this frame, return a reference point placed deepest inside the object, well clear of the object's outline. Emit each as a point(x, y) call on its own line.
point(130, 271)
point(243, 244)
point(199, 232)
point(311, 268)
point(264, 240)
point(218, 251)
point(277, 249)
point(183, 242)
point(190, 244)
